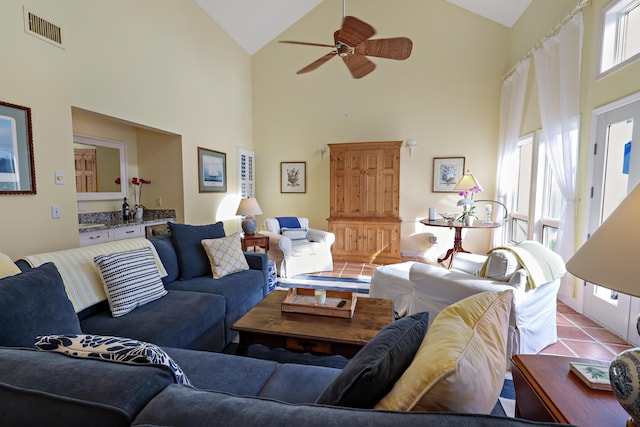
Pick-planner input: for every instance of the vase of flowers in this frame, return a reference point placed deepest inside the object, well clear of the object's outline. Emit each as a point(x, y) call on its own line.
point(138, 207)
point(468, 207)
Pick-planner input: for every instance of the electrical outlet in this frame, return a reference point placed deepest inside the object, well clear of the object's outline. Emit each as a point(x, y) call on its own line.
point(159, 201)
point(55, 211)
point(433, 239)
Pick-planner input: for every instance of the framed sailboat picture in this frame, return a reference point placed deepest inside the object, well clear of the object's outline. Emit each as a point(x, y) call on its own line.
point(212, 171)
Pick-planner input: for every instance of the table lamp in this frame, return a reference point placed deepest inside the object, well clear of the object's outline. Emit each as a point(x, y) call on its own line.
point(249, 207)
point(467, 182)
point(608, 259)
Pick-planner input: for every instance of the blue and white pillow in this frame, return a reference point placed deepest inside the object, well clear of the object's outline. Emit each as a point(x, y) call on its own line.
point(130, 279)
point(113, 349)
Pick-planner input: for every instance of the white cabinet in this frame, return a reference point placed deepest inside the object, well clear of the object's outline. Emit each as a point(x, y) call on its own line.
point(108, 235)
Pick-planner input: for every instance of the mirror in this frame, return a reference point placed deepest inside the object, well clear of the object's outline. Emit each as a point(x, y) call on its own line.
point(98, 163)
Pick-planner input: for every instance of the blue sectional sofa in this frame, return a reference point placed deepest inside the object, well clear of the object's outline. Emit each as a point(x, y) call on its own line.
point(57, 367)
point(196, 313)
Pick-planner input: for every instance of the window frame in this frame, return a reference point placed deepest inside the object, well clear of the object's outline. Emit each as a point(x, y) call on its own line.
point(614, 17)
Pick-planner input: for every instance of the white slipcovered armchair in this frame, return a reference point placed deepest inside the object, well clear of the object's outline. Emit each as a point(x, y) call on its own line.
point(296, 248)
point(416, 287)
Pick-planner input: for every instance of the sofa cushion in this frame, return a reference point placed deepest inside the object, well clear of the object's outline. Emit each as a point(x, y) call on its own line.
point(179, 319)
point(113, 349)
point(288, 222)
point(43, 388)
point(374, 370)
point(7, 266)
point(225, 255)
point(191, 255)
point(168, 256)
point(130, 279)
point(224, 372)
point(35, 303)
point(184, 406)
point(461, 363)
point(501, 265)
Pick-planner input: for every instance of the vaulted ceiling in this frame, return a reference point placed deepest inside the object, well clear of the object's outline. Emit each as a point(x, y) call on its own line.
point(254, 23)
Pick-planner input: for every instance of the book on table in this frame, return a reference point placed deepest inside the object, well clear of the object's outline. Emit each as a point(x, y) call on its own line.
point(594, 375)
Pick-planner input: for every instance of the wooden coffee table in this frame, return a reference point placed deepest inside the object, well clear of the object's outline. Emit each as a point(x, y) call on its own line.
point(546, 390)
point(268, 325)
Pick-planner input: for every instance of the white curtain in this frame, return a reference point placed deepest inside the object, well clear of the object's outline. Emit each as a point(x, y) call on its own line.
point(511, 108)
point(557, 69)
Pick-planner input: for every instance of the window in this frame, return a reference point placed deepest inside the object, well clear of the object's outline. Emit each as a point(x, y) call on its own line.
point(246, 173)
point(520, 215)
point(620, 35)
point(538, 201)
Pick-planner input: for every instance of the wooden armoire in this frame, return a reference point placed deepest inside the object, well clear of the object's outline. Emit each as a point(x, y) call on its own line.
point(365, 199)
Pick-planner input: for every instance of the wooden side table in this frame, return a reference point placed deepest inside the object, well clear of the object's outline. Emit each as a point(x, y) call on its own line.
point(546, 390)
point(254, 240)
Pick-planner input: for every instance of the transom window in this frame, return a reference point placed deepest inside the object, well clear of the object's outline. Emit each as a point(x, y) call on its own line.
point(620, 35)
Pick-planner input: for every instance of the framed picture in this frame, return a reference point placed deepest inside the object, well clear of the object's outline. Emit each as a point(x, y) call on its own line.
point(17, 173)
point(293, 177)
point(212, 171)
point(447, 171)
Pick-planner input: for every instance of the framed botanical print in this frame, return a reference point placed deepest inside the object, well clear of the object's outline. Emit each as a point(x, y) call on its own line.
point(212, 171)
point(17, 173)
point(293, 177)
point(447, 171)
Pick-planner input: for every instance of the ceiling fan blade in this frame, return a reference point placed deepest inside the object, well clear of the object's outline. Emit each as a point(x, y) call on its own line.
point(358, 65)
point(307, 44)
point(393, 48)
point(354, 31)
point(318, 62)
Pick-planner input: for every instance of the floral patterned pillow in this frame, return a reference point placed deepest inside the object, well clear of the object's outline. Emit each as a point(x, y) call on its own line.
point(114, 349)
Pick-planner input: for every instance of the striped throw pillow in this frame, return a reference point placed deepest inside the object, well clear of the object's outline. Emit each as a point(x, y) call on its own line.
point(130, 279)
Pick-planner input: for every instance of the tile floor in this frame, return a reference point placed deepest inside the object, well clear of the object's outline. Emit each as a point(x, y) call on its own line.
point(577, 335)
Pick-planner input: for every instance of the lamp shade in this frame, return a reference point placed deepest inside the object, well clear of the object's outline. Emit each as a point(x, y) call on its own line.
point(248, 207)
point(606, 259)
point(467, 182)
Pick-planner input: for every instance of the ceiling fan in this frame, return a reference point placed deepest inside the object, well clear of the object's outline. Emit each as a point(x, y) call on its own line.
point(353, 45)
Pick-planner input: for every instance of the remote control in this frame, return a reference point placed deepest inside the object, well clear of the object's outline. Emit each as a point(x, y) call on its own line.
point(342, 303)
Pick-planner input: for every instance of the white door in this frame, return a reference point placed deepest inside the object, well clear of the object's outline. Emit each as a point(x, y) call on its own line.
point(616, 171)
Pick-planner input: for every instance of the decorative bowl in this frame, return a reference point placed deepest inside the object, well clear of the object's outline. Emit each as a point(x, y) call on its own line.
point(449, 216)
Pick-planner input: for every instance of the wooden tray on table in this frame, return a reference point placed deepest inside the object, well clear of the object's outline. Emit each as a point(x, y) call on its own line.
point(302, 300)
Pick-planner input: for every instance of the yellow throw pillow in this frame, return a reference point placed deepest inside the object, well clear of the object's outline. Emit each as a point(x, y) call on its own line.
point(225, 255)
point(461, 363)
point(7, 267)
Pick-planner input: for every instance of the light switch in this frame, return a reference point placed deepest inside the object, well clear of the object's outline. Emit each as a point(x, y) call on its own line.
point(59, 177)
point(55, 211)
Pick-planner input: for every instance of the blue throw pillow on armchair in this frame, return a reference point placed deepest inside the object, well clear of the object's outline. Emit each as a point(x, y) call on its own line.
point(35, 303)
point(192, 257)
point(373, 371)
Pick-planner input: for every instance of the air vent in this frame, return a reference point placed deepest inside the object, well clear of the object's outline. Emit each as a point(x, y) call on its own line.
point(42, 29)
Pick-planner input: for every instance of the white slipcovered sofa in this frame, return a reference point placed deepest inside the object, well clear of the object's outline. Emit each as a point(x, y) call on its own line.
point(416, 287)
point(296, 248)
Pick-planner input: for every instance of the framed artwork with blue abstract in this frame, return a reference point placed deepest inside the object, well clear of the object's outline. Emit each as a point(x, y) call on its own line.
point(17, 173)
point(447, 171)
point(212, 171)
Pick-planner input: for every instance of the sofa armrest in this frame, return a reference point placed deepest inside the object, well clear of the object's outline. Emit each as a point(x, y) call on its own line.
point(279, 244)
point(259, 261)
point(436, 287)
point(324, 237)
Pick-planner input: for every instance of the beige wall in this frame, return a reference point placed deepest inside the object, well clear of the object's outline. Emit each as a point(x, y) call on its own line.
point(445, 96)
point(168, 67)
point(164, 65)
